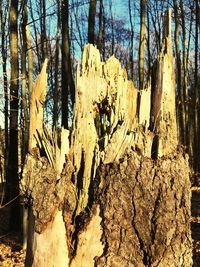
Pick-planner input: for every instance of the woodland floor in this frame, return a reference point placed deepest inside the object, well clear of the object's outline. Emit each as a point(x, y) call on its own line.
point(12, 254)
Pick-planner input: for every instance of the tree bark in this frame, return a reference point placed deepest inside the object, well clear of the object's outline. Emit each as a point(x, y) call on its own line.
point(108, 180)
point(57, 65)
point(143, 7)
point(101, 34)
point(12, 178)
point(44, 44)
point(181, 102)
point(5, 83)
point(132, 36)
point(197, 94)
point(68, 87)
point(91, 21)
point(24, 84)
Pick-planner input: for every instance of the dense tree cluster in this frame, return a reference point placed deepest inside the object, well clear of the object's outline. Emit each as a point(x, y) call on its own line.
point(58, 30)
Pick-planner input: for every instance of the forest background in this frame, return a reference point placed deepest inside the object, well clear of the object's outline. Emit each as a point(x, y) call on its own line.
point(58, 30)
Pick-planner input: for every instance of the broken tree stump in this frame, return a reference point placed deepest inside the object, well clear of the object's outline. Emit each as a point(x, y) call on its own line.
point(122, 195)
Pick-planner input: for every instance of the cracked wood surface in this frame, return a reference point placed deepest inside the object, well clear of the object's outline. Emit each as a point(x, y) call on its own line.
point(145, 208)
point(125, 161)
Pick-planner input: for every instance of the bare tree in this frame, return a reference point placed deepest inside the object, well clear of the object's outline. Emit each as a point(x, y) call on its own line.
point(91, 21)
point(56, 67)
point(143, 7)
point(101, 34)
point(132, 38)
point(68, 88)
point(3, 17)
point(12, 178)
point(197, 92)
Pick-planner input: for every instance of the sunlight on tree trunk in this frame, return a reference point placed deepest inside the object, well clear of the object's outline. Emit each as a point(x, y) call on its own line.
point(143, 7)
point(120, 173)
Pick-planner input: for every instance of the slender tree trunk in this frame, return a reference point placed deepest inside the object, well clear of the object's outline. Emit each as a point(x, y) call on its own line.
point(91, 21)
point(56, 85)
point(44, 44)
point(24, 83)
point(185, 74)
point(68, 87)
point(112, 28)
point(75, 13)
point(25, 109)
point(148, 44)
point(13, 179)
point(101, 37)
point(35, 37)
point(132, 39)
point(197, 93)
point(191, 126)
point(30, 60)
point(5, 83)
point(143, 6)
point(181, 102)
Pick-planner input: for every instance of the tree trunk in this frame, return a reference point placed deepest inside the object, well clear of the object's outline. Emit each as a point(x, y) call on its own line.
point(44, 45)
point(101, 34)
point(112, 28)
point(12, 175)
point(181, 102)
point(24, 84)
point(35, 36)
point(197, 96)
point(5, 82)
point(143, 6)
point(91, 21)
point(185, 75)
point(132, 36)
point(68, 87)
point(57, 65)
point(127, 184)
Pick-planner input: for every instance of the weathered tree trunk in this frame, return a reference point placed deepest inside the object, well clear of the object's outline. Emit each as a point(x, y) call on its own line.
point(122, 195)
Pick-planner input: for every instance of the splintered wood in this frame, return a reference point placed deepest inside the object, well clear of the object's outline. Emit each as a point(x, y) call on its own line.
point(116, 194)
point(48, 190)
point(37, 100)
point(106, 122)
point(163, 112)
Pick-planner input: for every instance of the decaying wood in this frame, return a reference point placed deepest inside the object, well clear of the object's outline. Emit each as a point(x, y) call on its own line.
point(37, 100)
point(145, 208)
point(121, 187)
point(45, 185)
point(89, 242)
point(163, 113)
point(105, 122)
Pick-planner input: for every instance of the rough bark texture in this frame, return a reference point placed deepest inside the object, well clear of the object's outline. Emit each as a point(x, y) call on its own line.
point(145, 209)
point(44, 186)
point(123, 192)
point(91, 21)
point(12, 179)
